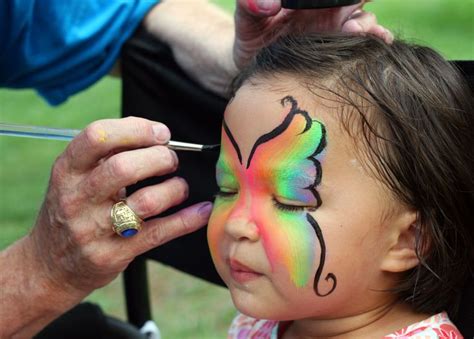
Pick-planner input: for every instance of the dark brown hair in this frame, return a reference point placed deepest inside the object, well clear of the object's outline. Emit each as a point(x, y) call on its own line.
point(414, 112)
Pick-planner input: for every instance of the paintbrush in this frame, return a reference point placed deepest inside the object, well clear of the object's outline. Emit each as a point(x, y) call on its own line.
point(40, 132)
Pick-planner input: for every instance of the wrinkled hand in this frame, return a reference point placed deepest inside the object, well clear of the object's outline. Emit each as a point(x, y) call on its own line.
point(73, 235)
point(259, 22)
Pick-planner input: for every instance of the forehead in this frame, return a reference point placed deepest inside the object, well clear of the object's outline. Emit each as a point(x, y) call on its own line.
point(258, 108)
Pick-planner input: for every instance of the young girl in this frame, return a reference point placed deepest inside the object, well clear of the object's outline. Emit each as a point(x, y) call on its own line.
point(345, 203)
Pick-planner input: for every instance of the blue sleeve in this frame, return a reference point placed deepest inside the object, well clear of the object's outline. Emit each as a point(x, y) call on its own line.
point(60, 47)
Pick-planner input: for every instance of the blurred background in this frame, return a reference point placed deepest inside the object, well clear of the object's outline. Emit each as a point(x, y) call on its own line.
point(183, 307)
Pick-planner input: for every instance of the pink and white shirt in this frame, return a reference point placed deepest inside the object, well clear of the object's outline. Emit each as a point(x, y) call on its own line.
point(436, 327)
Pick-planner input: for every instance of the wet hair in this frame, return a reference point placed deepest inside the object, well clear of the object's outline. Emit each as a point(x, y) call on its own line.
point(413, 111)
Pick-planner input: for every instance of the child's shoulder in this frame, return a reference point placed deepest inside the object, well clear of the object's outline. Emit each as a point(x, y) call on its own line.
point(438, 326)
point(247, 327)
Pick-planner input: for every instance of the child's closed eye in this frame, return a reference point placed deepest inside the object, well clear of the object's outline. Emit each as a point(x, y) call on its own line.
point(225, 193)
point(290, 207)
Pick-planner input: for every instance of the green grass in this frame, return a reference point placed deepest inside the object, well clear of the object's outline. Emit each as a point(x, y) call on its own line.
point(26, 163)
point(183, 307)
point(447, 26)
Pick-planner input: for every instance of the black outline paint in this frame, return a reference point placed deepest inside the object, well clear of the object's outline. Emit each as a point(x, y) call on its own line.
point(317, 164)
point(312, 188)
point(283, 126)
point(232, 140)
point(322, 259)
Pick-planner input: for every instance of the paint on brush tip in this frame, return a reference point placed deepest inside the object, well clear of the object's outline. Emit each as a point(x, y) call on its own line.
point(211, 148)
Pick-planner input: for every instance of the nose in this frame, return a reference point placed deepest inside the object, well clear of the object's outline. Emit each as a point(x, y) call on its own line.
point(242, 228)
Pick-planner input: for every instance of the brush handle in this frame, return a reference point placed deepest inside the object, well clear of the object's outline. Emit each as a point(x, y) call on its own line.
point(41, 132)
point(38, 132)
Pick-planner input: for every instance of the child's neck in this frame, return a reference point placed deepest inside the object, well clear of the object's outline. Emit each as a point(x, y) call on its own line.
point(374, 323)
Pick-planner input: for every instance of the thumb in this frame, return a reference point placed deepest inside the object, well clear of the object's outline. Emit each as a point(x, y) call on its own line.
point(259, 8)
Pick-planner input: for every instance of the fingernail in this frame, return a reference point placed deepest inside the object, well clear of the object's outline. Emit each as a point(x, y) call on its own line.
point(175, 157)
point(388, 36)
point(161, 132)
point(355, 14)
point(122, 193)
point(205, 209)
point(185, 185)
point(265, 5)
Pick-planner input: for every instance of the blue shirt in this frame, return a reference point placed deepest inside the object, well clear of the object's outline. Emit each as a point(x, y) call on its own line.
point(60, 47)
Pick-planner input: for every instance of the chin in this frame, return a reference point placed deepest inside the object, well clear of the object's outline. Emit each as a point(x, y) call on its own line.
point(254, 307)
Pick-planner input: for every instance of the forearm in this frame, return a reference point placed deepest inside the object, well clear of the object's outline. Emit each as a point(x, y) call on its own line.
point(201, 36)
point(28, 299)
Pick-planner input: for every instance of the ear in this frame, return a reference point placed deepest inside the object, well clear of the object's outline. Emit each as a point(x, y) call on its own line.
point(401, 255)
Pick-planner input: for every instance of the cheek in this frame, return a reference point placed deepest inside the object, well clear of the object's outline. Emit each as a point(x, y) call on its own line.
point(215, 229)
point(289, 240)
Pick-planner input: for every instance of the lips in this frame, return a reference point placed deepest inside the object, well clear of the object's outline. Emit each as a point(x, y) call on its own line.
point(242, 273)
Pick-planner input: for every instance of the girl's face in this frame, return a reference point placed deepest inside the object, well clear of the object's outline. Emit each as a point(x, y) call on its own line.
point(298, 229)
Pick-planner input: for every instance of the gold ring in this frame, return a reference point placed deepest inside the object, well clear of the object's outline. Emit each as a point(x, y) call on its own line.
point(126, 222)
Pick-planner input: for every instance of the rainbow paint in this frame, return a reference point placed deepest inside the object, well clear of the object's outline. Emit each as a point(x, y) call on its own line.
point(283, 165)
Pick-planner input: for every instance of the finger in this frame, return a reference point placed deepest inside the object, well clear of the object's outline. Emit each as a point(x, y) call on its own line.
point(341, 14)
point(103, 137)
point(360, 22)
point(354, 26)
point(255, 22)
point(323, 20)
point(127, 168)
point(384, 34)
point(158, 231)
point(152, 200)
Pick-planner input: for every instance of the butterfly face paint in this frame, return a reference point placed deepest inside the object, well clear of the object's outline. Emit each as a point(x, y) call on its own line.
point(274, 188)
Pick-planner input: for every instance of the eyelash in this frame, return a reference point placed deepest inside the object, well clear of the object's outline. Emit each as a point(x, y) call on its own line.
point(222, 194)
point(287, 208)
point(276, 203)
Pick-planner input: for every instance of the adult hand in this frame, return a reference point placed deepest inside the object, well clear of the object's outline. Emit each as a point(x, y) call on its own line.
point(72, 249)
point(259, 22)
point(74, 234)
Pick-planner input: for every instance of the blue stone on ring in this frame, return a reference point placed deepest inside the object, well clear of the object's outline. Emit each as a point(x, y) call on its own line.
point(129, 233)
